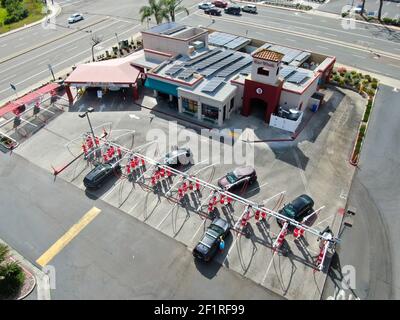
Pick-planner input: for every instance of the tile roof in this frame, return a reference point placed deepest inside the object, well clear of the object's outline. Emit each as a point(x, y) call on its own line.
point(266, 54)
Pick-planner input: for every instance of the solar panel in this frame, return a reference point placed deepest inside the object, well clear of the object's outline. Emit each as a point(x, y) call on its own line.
point(221, 64)
point(186, 74)
point(235, 67)
point(213, 59)
point(246, 70)
point(174, 70)
point(237, 42)
point(202, 57)
point(213, 84)
point(287, 71)
point(173, 30)
point(298, 77)
point(302, 56)
point(220, 39)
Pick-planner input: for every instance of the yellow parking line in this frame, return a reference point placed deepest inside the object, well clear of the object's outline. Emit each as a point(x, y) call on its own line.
point(67, 237)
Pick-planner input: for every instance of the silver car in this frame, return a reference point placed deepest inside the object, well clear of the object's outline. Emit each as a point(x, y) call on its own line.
point(75, 18)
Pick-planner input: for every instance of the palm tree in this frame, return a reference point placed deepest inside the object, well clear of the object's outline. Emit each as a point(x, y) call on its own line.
point(173, 7)
point(155, 8)
point(362, 7)
point(380, 10)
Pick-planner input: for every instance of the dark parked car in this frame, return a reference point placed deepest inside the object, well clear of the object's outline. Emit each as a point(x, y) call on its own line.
point(209, 244)
point(237, 178)
point(180, 156)
point(213, 12)
point(298, 209)
point(233, 10)
point(99, 174)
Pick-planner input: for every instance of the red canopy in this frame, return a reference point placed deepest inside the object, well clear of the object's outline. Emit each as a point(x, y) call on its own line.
point(27, 99)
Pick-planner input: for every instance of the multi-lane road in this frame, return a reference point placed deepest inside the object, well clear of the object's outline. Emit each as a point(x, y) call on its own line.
point(25, 55)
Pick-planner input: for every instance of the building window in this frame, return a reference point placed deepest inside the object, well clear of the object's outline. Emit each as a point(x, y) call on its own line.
point(277, 71)
point(262, 71)
point(209, 112)
point(189, 106)
point(232, 104)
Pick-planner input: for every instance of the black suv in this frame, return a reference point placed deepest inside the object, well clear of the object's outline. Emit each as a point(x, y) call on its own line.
point(297, 209)
point(233, 10)
point(209, 244)
point(99, 174)
point(213, 11)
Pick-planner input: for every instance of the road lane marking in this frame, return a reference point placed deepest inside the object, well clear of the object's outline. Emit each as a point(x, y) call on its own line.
point(55, 48)
point(357, 56)
point(71, 49)
point(61, 243)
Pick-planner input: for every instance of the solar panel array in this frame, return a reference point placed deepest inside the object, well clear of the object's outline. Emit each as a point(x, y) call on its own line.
point(286, 71)
point(303, 56)
point(187, 73)
point(298, 77)
point(221, 64)
point(213, 59)
point(246, 61)
point(202, 57)
point(220, 39)
point(213, 84)
point(173, 30)
point(246, 70)
point(174, 70)
point(239, 41)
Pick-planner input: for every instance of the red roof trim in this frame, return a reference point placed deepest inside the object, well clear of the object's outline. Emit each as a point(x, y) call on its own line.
point(160, 53)
point(177, 81)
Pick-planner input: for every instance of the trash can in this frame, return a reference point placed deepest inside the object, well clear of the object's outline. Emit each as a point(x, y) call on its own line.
point(314, 107)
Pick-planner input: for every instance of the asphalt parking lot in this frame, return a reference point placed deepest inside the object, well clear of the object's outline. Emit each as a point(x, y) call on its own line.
point(315, 163)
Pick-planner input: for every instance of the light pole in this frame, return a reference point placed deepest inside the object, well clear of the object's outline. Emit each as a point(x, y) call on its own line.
point(86, 114)
point(116, 35)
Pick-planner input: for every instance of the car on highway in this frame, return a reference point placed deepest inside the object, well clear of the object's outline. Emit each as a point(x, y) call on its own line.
point(75, 18)
point(213, 11)
point(237, 178)
point(206, 5)
point(298, 209)
point(220, 4)
point(249, 8)
point(208, 246)
point(100, 174)
point(178, 157)
point(234, 9)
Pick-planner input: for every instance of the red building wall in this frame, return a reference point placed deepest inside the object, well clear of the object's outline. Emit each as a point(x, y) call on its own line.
point(269, 94)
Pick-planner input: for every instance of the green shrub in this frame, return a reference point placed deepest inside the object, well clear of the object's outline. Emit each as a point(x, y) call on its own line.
point(374, 85)
point(353, 73)
point(367, 111)
point(336, 78)
point(368, 77)
point(13, 278)
point(341, 82)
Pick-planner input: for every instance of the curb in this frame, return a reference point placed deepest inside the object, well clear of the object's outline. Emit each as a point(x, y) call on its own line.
point(56, 14)
point(355, 163)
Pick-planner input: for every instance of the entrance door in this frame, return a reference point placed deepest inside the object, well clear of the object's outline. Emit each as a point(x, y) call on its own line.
point(258, 108)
